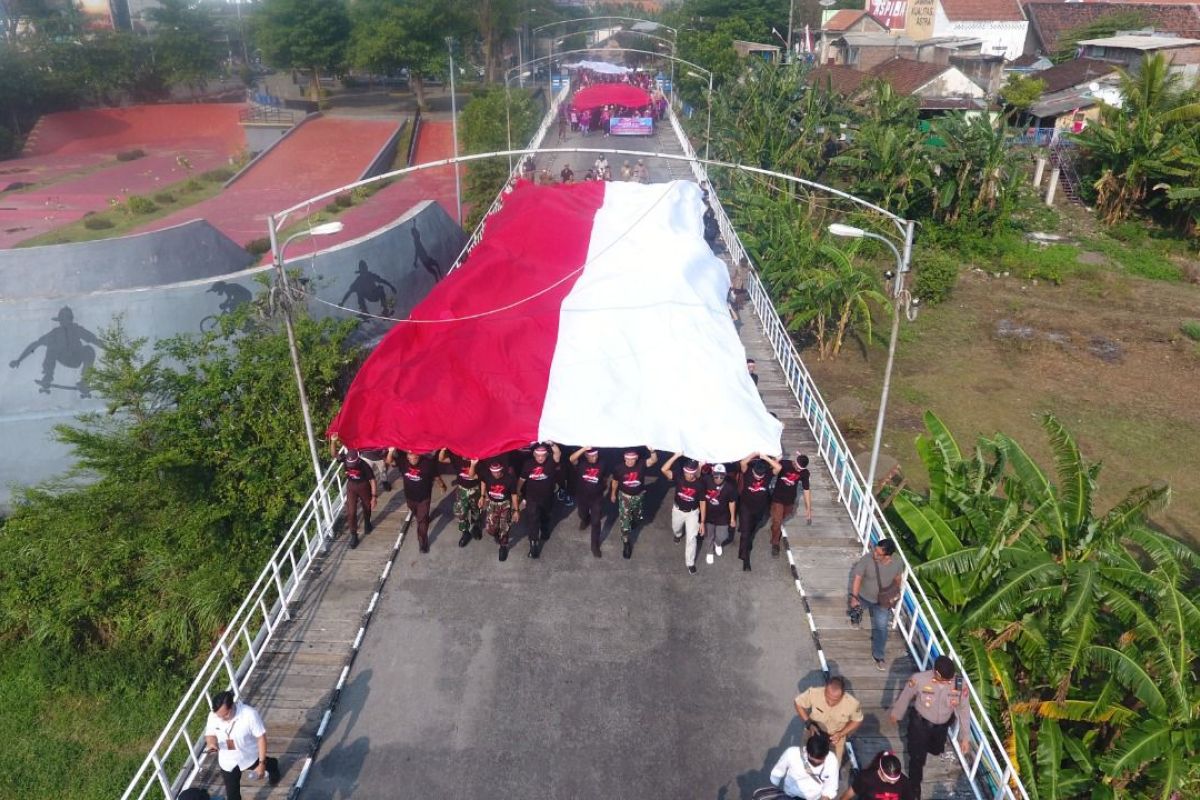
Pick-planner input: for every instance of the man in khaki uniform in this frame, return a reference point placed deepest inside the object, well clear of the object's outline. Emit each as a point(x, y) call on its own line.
point(832, 710)
point(937, 696)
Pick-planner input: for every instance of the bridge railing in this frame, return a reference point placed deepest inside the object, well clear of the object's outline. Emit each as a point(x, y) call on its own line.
point(178, 754)
point(988, 768)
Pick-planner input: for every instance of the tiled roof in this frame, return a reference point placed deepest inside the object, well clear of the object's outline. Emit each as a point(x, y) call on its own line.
point(1073, 73)
point(905, 75)
point(1026, 60)
point(844, 19)
point(841, 78)
point(1049, 21)
point(982, 10)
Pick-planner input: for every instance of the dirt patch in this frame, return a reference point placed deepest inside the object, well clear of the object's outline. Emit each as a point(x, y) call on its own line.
point(1103, 353)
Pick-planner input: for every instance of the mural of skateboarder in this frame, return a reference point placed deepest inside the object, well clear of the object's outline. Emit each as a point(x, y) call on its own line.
point(66, 345)
point(421, 256)
point(367, 287)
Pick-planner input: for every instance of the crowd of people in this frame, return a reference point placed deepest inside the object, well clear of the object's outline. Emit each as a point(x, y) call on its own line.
point(588, 120)
point(713, 504)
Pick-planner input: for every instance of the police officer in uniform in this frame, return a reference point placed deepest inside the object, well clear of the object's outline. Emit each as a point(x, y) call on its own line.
point(936, 696)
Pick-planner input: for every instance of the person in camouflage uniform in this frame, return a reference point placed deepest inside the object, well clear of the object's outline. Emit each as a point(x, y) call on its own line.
point(467, 492)
point(500, 504)
point(627, 490)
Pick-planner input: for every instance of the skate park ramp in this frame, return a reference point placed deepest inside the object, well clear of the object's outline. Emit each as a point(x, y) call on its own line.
point(161, 289)
point(322, 153)
point(108, 130)
point(190, 251)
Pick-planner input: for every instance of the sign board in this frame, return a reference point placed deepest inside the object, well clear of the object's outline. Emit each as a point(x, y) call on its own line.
point(893, 13)
point(631, 126)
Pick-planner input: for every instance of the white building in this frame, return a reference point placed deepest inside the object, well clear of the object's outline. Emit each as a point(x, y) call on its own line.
point(999, 23)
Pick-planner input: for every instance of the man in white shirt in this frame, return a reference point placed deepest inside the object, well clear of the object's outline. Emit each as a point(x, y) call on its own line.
point(235, 732)
point(809, 775)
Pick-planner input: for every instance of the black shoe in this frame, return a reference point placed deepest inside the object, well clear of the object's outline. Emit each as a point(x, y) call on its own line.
point(479, 531)
point(678, 539)
point(369, 527)
point(774, 551)
point(583, 523)
point(535, 549)
point(692, 570)
point(386, 486)
point(464, 539)
point(627, 552)
point(745, 565)
point(596, 550)
point(424, 548)
point(353, 540)
point(504, 552)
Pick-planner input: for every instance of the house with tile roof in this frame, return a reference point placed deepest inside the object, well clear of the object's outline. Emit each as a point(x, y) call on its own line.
point(1128, 50)
point(1074, 92)
point(938, 87)
point(999, 24)
point(1051, 20)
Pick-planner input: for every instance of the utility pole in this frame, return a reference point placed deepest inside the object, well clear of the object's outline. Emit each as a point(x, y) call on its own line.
point(791, 18)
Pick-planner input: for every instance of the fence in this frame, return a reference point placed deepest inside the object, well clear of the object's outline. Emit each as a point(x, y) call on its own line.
point(179, 753)
point(989, 771)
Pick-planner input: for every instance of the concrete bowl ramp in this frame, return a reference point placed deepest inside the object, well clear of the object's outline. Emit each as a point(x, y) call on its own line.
point(107, 130)
point(51, 329)
point(191, 251)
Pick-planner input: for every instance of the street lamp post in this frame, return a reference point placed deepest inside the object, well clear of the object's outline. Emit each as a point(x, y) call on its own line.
point(899, 297)
point(454, 132)
point(708, 124)
point(285, 301)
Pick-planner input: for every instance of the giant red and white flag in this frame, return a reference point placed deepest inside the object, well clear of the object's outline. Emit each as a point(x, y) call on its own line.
point(589, 314)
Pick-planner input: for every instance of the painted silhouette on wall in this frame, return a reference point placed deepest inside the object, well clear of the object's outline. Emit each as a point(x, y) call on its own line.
point(421, 256)
point(67, 346)
point(235, 296)
point(367, 287)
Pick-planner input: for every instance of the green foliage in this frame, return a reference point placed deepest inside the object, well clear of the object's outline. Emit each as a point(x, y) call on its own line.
point(1022, 91)
point(192, 185)
point(164, 198)
point(936, 274)
point(195, 470)
point(8, 142)
point(258, 247)
point(140, 205)
point(482, 128)
point(1103, 26)
point(1191, 329)
point(131, 155)
point(388, 36)
point(303, 34)
point(1084, 622)
point(186, 48)
point(97, 223)
point(1048, 263)
point(218, 175)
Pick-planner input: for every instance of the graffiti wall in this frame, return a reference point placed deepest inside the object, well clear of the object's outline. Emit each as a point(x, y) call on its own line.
point(50, 325)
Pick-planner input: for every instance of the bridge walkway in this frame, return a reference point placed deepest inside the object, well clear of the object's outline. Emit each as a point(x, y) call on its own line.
point(553, 677)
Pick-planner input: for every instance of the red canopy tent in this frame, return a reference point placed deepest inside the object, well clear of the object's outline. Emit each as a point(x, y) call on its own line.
point(616, 94)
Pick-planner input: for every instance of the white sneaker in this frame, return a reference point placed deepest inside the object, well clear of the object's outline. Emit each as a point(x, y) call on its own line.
point(718, 549)
point(708, 559)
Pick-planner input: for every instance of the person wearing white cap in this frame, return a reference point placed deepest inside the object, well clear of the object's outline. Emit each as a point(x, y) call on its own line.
point(686, 512)
point(720, 510)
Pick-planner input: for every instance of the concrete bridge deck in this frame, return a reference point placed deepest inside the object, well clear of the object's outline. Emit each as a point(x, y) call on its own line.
point(570, 676)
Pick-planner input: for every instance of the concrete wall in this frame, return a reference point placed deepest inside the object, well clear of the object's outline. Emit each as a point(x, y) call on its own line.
point(1000, 38)
point(38, 393)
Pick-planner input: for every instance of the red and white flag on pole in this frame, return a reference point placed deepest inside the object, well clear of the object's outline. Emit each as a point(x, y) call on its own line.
point(589, 314)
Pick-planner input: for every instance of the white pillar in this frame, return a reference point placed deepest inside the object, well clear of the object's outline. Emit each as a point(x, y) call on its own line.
point(1038, 171)
point(1053, 186)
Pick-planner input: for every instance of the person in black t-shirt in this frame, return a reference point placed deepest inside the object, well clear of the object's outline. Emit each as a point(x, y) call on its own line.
point(882, 779)
point(627, 490)
point(793, 476)
point(500, 503)
point(720, 510)
point(536, 484)
point(686, 513)
point(466, 495)
point(754, 501)
point(360, 492)
point(418, 473)
point(590, 482)
point(380, 459)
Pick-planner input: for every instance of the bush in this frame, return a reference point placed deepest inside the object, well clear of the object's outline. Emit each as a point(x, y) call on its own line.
point(8, 143)
point(140, 205)
point(937, 273)
point(1146, 263)
point(1052, 263)
point(256, 247)
point(342, 201)
point(1191, 329)
point(1130, 232)
point(97, 223)
point(164, 198)
point(218, 175)
point(131, 155)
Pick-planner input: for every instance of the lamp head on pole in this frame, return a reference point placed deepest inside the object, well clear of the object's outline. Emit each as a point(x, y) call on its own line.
point(846, 231)
point(326, 229)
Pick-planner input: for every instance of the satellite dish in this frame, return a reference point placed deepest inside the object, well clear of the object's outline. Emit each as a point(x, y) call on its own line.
point(1093, 87)
point(827, 3)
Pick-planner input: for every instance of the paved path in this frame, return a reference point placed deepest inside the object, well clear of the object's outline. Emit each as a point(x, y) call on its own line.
point(570, 676)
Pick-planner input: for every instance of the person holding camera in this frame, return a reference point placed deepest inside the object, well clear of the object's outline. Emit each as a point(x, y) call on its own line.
point(236, 734)
point(875, 586)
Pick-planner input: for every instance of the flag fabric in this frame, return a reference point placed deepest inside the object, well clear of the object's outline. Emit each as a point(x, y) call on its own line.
point(610, 94)
point(589, 314)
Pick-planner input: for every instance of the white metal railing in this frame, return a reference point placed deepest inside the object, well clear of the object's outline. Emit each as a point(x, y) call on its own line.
point(988, 767)
point(179, 753)
point(534, 143)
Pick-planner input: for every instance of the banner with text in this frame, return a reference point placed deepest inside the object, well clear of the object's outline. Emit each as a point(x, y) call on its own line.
point(631, 126)
point(892, 13)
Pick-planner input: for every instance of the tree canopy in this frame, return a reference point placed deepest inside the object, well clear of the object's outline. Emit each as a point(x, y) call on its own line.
point(303, 34)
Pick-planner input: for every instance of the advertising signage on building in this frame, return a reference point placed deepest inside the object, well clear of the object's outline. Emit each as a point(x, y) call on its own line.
point(890, 12)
